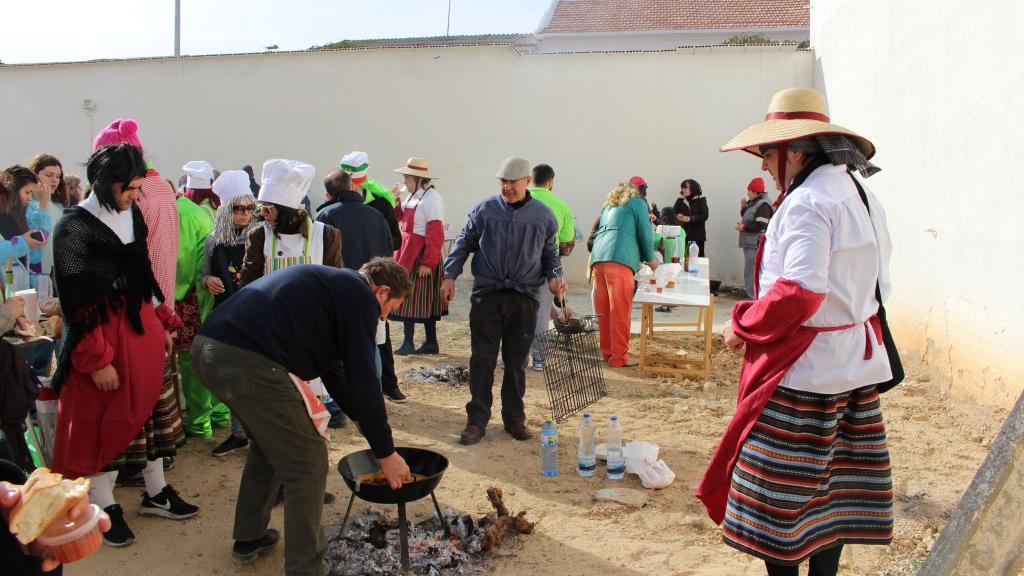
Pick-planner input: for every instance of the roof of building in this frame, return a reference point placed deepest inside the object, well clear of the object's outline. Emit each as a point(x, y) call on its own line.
point(466, 40)
point(581, 16)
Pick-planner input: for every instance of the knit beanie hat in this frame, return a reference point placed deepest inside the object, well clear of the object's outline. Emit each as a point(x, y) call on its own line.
point(756, 185)
point(120, 131)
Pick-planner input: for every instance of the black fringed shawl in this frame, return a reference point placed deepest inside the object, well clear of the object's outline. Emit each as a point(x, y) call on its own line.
point(96, 275)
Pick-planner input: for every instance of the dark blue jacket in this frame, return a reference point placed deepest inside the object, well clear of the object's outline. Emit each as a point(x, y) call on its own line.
point(364, 232)
point(514, 247)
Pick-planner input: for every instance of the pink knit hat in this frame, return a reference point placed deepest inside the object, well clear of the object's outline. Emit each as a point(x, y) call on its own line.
point(120, 131)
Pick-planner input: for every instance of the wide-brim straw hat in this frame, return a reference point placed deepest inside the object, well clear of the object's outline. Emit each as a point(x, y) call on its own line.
point(794, 113)
point(417, 167)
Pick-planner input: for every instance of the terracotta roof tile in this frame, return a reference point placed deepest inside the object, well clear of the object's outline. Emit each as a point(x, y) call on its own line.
point(571, 16)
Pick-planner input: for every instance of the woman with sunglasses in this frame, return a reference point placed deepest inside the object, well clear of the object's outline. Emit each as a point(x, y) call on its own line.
point(222, 264)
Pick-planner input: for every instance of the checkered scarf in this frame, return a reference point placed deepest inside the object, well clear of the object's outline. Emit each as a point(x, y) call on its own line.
point(843, 152)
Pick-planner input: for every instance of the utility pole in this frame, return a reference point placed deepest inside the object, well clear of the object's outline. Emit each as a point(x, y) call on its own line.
point(448, 29)
point(177, 27)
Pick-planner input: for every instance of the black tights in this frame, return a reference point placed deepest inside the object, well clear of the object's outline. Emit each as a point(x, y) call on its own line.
point(429, 327)
point(825, 563)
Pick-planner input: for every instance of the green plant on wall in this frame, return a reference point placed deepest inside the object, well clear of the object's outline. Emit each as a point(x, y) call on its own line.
point(740, 39)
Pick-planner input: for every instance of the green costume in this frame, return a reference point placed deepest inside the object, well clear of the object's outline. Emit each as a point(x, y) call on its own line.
point(373, 189)
point(566, 228)
point(192, 303)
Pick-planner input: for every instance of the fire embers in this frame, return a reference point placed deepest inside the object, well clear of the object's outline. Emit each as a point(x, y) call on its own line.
point(449, 375)
point(370, 544)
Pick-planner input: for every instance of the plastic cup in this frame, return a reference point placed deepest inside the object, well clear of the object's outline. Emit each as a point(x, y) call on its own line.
point(74, 540)
point(31, 304)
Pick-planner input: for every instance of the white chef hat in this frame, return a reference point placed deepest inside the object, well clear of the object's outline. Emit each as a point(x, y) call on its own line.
point(231, 185)
point(286, 182)
point(357, 164)
point(200, 174)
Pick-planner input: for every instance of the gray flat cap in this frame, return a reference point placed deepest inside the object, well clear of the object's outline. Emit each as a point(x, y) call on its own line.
point(513, 168)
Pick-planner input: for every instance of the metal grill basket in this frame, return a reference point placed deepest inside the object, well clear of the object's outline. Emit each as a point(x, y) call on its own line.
point(572, 366)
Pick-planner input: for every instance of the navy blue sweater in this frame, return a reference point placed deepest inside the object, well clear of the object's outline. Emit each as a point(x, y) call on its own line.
point(513, 247)
point(316, 321)
point(364, 232)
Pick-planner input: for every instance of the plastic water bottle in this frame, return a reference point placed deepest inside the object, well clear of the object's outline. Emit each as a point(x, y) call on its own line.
point(693, 253)
point(549, 448)
point(616, 460)
point(587, 456)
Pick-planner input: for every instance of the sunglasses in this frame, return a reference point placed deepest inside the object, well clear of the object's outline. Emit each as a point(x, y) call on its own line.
point(243, 209)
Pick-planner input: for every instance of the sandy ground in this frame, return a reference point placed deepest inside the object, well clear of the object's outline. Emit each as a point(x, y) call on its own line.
point(936, 441)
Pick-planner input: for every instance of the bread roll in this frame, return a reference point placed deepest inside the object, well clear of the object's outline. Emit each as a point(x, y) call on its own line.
point(46, 498)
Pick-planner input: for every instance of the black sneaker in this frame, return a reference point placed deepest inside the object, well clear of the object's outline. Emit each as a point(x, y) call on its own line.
point(230, 445)
point(246, 552)
point(405, 349)
point(395, 395)
point(131, 480)
point(168, 463)
point(337, 421)
point(119, 534)
point(428, 348)
point(167, 504)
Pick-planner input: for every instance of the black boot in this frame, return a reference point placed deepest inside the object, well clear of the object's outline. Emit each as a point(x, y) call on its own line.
point(407, 346)
point(430, 346)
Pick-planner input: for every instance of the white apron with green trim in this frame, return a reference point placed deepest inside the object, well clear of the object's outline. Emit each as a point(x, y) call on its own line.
point(284, 251)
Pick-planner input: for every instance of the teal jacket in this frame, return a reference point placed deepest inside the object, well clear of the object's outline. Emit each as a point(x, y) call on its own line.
point(624, 235)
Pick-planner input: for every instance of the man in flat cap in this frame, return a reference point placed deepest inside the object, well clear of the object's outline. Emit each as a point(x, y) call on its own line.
point(514, 239)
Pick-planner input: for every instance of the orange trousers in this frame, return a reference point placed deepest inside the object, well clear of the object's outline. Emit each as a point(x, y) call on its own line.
point(613, 302)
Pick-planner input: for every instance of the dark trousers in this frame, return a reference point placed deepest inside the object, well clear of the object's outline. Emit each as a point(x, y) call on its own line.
point(824, 563)
point(284, 449)
point(388, 379)
point(505, 319)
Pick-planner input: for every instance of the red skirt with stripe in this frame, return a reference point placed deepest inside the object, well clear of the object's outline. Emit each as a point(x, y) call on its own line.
point(812, 474)
point(424, 303)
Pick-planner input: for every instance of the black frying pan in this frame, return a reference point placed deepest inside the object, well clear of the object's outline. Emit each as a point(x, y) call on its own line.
point(423, 462)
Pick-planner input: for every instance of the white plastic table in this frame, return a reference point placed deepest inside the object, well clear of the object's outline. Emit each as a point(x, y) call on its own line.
point(693, 291)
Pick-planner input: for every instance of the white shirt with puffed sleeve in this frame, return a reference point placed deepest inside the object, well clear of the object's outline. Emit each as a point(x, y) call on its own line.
point(822, 238)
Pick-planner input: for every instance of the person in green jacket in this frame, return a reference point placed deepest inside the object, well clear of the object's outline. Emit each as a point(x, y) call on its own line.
point(623, 240)
point(192, 302)
point(543, 183)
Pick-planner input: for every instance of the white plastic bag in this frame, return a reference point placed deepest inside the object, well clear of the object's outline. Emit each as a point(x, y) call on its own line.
point(656, 475)
point(643, 274)
point(639, 453)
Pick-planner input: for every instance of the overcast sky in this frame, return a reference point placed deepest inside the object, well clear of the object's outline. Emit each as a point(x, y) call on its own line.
point(66, 30)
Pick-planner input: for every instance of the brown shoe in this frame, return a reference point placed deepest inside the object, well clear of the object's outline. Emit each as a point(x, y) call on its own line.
point(518, 431)
point(471, 435)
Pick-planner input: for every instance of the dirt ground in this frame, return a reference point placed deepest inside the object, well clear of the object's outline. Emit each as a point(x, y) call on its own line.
point(936, 442)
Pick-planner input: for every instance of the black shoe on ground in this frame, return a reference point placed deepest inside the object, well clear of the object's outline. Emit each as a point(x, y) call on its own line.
point(395, 395)
point(119, 534)
point(337, 421)
point(246, 552)
point(405, 349)
point(167, 504)
point(230, 445)
point(131, 480)
point(168, 463)
point(428, 348)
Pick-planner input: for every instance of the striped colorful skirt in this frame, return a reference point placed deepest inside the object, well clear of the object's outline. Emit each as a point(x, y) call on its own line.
point(424, 303)
point(161, 436)
point(813, 473)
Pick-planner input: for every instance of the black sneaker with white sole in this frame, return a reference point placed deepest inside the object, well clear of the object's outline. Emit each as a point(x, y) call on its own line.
point(167, 504)
point(246, 552)
point(395, 395)
point(119, 534)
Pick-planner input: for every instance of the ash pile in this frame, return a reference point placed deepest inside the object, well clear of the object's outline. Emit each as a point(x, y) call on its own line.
point(445, 375)
point(370, 544)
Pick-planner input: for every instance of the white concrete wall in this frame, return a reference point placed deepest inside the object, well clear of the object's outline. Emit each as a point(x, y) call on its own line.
point(598, 119)
point(937, 86)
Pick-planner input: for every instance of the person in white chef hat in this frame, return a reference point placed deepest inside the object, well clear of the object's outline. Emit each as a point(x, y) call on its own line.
point(199, 185)
point(288, 236)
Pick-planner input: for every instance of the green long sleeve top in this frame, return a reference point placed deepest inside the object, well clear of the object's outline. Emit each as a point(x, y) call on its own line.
point(558, 207)
point(194, 225)
point(624, 235)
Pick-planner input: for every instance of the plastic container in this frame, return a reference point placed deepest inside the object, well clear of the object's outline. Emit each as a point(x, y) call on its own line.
point(587, 460)
point(549, 448)
point(693, 252)
point(72, 541)
point(616, 459)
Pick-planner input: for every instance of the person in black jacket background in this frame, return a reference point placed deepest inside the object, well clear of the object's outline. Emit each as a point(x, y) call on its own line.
point(692, 212)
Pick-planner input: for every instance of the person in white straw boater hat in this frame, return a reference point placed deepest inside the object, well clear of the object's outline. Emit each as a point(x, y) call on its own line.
point(805, 453)
point(421, 214)
point(288, 236)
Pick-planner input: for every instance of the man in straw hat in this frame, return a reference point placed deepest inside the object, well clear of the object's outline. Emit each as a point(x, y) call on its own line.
point(808, 396)
point(514, 241)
